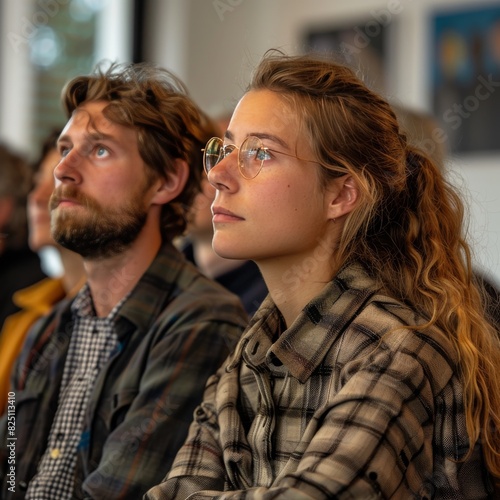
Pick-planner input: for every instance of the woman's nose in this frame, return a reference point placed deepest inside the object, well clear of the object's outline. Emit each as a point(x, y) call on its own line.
point(226, 173)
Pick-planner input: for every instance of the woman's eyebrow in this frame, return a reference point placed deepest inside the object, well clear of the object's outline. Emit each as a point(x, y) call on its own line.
point(261, 135)
point(272, 138)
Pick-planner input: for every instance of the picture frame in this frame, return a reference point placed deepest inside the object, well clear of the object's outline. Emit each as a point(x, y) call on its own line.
point(361, 45)
point(465, 77)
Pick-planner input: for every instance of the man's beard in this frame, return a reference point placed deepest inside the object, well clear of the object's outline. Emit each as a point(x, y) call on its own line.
point(92, 231)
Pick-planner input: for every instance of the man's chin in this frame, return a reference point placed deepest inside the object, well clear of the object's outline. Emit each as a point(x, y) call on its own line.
point(60, 218)
point(91, 251)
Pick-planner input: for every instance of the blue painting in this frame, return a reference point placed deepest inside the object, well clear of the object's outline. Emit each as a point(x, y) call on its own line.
point(466, 77)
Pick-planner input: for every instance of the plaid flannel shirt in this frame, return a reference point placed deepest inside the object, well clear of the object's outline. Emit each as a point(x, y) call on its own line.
point(174, 331)
point(347, 403)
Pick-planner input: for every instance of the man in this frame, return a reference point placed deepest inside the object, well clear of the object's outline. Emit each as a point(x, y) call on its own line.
point(106, 386)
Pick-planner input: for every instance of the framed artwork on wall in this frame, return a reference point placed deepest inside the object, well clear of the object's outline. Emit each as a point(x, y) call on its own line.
point(362, 45)
point(465, 77)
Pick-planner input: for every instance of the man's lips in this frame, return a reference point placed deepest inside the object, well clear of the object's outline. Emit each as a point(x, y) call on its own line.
point(222, 215)
point(70, 197)
point(66, 202)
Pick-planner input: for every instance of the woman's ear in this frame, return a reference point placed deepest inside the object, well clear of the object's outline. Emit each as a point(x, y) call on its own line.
point(168, 188)
point(343, 198)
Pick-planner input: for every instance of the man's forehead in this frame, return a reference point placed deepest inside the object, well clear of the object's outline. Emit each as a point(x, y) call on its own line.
point(92, 111)
point(90, 115)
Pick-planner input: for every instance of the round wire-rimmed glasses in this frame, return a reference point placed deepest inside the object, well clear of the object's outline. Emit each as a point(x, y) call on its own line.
point(251, 155)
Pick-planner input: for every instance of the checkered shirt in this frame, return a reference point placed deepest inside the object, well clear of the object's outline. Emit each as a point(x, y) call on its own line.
point(347, 404)
point(93, 341)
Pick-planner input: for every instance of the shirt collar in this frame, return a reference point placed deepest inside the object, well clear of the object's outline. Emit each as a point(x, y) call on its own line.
point(303, 346)
point(83, 305)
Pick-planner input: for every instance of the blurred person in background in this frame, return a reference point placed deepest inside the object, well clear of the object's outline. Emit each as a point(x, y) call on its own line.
point(423, 131)
point(241, 277)
point(19, 266)
point(39, 298)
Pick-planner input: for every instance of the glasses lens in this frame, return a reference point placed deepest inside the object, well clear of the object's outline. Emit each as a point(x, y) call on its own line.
point(212, 154)
point(251, 157)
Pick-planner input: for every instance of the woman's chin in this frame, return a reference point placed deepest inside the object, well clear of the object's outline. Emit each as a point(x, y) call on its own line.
point(227, 251)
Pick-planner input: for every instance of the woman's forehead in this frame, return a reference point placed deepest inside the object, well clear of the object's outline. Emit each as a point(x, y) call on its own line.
point(263, 112)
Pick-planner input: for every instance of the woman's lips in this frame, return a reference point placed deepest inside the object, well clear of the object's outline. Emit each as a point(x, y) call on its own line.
point(222, 215)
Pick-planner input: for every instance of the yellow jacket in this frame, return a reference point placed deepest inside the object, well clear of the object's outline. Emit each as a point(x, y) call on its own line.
point(35, 301)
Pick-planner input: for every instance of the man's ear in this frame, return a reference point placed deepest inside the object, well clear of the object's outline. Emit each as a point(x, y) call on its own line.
point(343, 198)
point(168, 188)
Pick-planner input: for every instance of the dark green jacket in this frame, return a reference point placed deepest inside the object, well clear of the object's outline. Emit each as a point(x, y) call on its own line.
point(174, 331)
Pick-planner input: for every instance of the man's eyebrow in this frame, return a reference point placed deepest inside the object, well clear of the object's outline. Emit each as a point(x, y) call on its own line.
point(270, 137)
point(91, 137)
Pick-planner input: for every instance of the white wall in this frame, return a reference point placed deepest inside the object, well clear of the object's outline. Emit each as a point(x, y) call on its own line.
point(167, 35)
point(114, 31)
point(222, 40)
point(16, 73)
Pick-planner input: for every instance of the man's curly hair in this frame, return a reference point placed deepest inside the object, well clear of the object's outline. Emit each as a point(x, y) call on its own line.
point(169, 124)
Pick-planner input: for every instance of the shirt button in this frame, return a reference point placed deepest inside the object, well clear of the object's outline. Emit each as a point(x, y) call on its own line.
point(23, 485)
point(54, 453)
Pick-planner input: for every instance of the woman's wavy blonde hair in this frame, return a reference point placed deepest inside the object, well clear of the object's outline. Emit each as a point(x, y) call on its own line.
point(407, 227)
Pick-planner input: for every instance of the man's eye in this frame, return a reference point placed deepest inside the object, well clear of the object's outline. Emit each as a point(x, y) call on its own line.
point(63, 151)
point(101, 151)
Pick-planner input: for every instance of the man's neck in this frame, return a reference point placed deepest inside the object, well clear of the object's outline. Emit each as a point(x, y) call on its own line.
point(74, 274)
point(113, 278)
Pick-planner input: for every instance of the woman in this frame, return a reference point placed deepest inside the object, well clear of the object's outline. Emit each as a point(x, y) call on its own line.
point(369, 371)
point(19, 266)
point(38, 299)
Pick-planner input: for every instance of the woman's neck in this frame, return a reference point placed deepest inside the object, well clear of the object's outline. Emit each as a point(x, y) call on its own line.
point(292, 285)
point(211, 264)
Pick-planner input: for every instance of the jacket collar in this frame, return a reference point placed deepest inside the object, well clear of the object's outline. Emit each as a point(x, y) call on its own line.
point(301, 348)
point(153, 291)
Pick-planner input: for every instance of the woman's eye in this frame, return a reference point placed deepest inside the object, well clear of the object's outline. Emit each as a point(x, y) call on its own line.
point(227, 150)
point(262, 154)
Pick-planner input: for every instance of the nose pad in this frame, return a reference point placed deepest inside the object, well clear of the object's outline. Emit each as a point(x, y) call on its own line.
point(222, 175)
point(232, 154)
point(227, 150)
